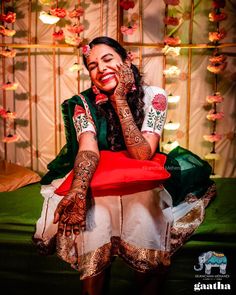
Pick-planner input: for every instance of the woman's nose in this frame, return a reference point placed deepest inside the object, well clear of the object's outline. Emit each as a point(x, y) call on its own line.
point(101, 67)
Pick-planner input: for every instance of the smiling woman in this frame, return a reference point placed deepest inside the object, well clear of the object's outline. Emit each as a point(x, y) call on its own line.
point(125, 117)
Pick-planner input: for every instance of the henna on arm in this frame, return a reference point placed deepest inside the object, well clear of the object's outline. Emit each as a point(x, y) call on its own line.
point(71, 211)
point(136, 144)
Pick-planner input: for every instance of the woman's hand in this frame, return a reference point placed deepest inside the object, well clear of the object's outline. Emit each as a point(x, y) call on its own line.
point(71, 213)
point(71, 210)
point(126, 81)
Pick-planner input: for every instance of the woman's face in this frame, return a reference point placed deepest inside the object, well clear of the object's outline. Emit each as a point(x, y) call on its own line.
point(103, 65)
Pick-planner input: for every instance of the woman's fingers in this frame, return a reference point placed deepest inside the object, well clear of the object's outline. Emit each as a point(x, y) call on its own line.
point(68, 230)
point(76, 229)
point(61, 227)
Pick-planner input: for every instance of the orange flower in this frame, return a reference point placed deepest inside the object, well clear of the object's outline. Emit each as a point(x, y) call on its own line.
point(8, 53)
point(171, 41)
point(217, 36)
point(172, 21)
point(75, 29)
point(216, 59)
point(7, 32)
point(77, 12)
point(217, 68)
point(217, 17)
point(59, 12)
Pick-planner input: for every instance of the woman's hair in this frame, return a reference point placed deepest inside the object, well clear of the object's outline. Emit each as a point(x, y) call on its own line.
point(134, 98)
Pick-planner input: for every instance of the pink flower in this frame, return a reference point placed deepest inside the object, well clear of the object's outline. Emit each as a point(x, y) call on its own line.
point(212, 137)
point(58, 35)
point(59, 12)
point(10, 17)
point(86, 50)
point(78, 111)
point(127, 4)
point(217, 17)
point(75, 29)
point(129, 30)
point(77, 12)
point(172, 40)
point(217, 36)
point(172, 21)
point(159, 102)
point(212, 115)
point(218, 4)
point(171, 2)
point(217, 68)
point(217, 98)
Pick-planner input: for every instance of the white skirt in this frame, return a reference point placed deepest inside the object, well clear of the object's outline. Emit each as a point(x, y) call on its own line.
point(142, 228)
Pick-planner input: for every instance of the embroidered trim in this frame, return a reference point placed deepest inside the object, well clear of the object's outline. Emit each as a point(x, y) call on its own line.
point(90, 264)
point(184, 227)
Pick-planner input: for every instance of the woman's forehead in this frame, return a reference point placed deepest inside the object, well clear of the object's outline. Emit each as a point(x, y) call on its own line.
point(99, 50)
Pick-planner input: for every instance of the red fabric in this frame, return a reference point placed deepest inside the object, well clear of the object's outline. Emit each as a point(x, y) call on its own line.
point(118, 174)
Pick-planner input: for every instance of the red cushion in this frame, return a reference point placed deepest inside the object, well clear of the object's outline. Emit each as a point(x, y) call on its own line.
point(118, 174)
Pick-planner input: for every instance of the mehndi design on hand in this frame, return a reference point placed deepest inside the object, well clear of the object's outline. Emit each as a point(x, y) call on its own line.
point(71, 211)
point(126, 80)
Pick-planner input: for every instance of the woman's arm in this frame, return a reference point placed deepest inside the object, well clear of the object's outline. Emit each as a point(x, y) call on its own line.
point(140, 146)
point(71, 211)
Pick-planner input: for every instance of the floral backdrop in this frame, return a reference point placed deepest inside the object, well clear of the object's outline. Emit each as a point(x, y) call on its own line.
point(186, 47)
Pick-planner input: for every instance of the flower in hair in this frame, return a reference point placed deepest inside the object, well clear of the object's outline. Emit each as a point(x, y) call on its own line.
point(86, 50)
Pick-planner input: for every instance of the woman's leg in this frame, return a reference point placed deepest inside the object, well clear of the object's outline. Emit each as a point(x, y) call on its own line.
point(97, 285)
point(150, 283)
